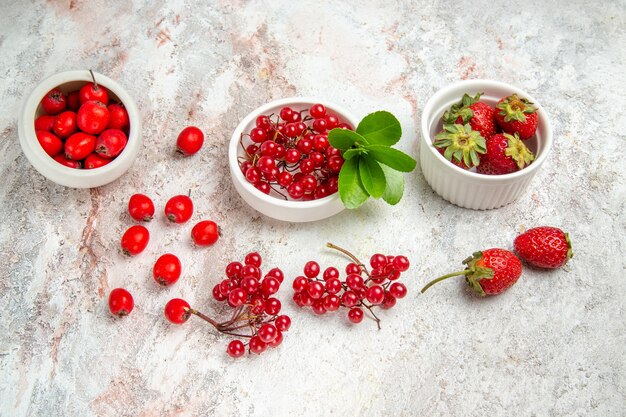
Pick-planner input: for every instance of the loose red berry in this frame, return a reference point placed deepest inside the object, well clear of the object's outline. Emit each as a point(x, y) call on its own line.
point(355, 315)
point(167, 269)
point(179, 209)
point(49, 142)
point(65, 124)
point(141, 207)
point(121, 302)
point(205, 233)
point(94, 161)
point(189, 141)
point(54, 102)
point(177, 311)
point(236, 349)
point(91, 91)
point(118, 116)
point(111, 143)
point(135, 240)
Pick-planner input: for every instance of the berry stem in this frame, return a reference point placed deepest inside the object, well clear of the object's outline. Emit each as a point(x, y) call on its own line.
point(454, 274)
point(205, 318)
point(351, 256)
point(373, 314)
point(93, 77)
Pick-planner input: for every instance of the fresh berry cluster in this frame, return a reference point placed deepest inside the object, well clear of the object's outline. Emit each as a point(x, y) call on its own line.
point(82, 129)
point(491, 139)
point(360, 289)
point(493, 271)
point(256, 312)
point(289, 153)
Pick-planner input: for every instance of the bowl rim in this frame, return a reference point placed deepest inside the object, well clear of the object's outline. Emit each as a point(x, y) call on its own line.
point(41, 160)
point(234, 145)
point(469, 85)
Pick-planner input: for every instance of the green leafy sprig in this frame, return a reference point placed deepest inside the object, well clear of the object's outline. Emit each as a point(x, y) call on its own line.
point(372, 168)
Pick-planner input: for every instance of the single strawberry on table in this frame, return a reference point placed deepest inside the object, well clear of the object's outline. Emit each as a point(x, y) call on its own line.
point(489, 272)
point(505, 154)
point(479, 115)
point(544, 247)
point(460, 144)
point(517, 115)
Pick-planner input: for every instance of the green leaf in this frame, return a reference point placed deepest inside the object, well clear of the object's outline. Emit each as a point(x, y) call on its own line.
point(372, 176)
point(380, 128)
point(351, 153)
point(395, 185)
point(351, 190)
point(393, 158)
point(344, 139)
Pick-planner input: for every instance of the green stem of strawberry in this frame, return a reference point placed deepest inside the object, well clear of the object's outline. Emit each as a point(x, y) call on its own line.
point(454, 274)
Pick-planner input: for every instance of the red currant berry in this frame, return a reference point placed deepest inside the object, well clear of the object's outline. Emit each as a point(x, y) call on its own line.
point(361, 293)
point(398, 290)
point(295, 191)
point(315, 290)
point(349, 299)
point(79, 146)
point(265, 164)
point(332, 302)
point(269, 148)
point(205, 233)
point(401, 263)
point(353, 268)
point(257, 304)
point(330, 272)
point(280, 151)
point(73, 101)
point(276, 273)
point(273, 306)
point(269, 286)
point(253, 258)
point(250, 284)
point(121, 302)
point(177, 311)
point(253, 175)
point(267, 332)
point(317, 111)
point(95, 161)
point(237, 297)
point(286, 114)
point(317, 158)
point(331, 121)
point(307, 166)
point(225, 286)
point(355, 315)
point(332, 151)
point(252, 149)
point(257, 345)
point(61, 159)
point(321, 191)
point(251, 270)
point(65, 124)
point(91, 91)
point(92, 117)
point(233, 270)
point(263, 122)
point(167, 269)
point(217, 293)
point(318, 307)
point(311, 269)
point(344, 126)
point(300, 128)
point(354, 281)
point(141, 207)
point(49, 142)
point(300, 284)
point(333, 184)
point(54, 102)
point(284, 179)
point(333, 286)
point(389, 301)
point(118, 116)
point(189, 141)
point(135, 240)
point(245, 165)
point(305, 145)
point(45, 122)
point(306, 299)
point(111, 143)
point(378, 261)
point(236, 349)
point(282, 323)
point(297, 299)
point(258, 135)
point(179, 209)
point(375, 294)
point(335, 163)
point(291, 130)
point(277, 340)
point(320, 125)
point(292, 156)
point(320, 142)
point(393, 275)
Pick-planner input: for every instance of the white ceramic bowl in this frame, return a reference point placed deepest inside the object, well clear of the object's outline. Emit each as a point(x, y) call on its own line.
point(470, 189)
point(277, 208)
point(48, 167)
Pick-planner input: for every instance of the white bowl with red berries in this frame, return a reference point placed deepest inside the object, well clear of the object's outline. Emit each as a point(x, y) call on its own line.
point(482, 142)
point(281, 162)
point(80, 129)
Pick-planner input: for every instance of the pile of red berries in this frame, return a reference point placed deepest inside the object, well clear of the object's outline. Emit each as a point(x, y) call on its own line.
point(290, 153)
point(360, 289)
point(255, 314)
point(81, 129)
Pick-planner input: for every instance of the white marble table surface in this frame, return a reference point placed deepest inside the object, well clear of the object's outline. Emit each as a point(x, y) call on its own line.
point(554, 345)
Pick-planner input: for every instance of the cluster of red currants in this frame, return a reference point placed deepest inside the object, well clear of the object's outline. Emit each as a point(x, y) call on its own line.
point(360, 289)
point(255, 310)
point(81, 129)
point(290, 152)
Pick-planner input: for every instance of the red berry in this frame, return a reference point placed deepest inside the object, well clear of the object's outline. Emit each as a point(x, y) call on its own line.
point(94, 161)
point(250, 284)
point(54, 102)
point(311, 269)
point(251, 270)
point(269, 286)
point(331, 121)
point(217, 293)
point(236, 349)
point(286, 113)
point(93, 117)
point(305, 299)
point(49, 142)
point(317, 111)
point(167, 269)
point(177, 311)
point(179, 209)
point(79, 146)
point(253, 258)
point(111, 143)
point(300, 284)
point(332, 302)
point(91, 91)
point(267, 332)
point(354, 281)
point(45, 122)
point(517, 115)
point(282, 323)
point(205, 233)
point(544, 247)
point(233, 270)
point(135, 240)
point(318, 307)
point(257, 345)
point(389, 301)
point(375, 294)
point(189, 141)
point(292, 156)
point(349, 299)
point(263, 122)
point(355, 315)
point(253, 175)
point(353, 268)
point(73, 101)
point(378, 261)
point(333, 286)
point(335, 163)
point(401, 263)
point(258, 135)
point(304, 145)
point(320, 125)
point(330, 272)
point(315, 290)
point(273, 306)
point(141, 207)
point(276, 273)
point(257, 303)
point(118, 116)
point(121, 302)
point(65, 124)
point(277, 340)
point(265, 164)
point(61, 159)
point(237, 297)
point(398, 290)
point(295, 191)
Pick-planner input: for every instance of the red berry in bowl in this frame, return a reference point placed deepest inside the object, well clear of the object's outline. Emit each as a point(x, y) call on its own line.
point(236, 349)
point(91, 91)
point(54, 102)
point(177, 311)
point(93, 117)
point(479, 115)
point(135, 240)
point(141, 207)
point(73, 101)
point(45, 122)
point(65, 124)
point(49, 142)
point(79, 146)
point(118, 116)
point(205, 233)
point(167, 269)
point(179, 209)
point(121, 302)
point(61, 159)
point(94, 161)
point(317, 111)
point(189, 141)
point(111, 143)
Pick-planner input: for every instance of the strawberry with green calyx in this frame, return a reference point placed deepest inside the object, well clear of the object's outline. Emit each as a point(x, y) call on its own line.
point(544, 247)
point(461, 144)
point(517, 115)
point(489, 272)
point(505, 154)
point(479, 115)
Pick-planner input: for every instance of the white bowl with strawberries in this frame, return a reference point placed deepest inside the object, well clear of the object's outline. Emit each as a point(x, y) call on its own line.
point(482, 142)
point(80, 129)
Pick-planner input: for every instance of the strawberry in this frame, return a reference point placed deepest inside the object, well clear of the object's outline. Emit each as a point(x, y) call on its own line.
point(479, 115)
point(544, 247)
point(460, 144)
point(489, 272)
point(517, 115)
point(505, 154)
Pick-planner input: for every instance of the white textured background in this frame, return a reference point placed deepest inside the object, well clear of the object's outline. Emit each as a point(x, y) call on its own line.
point(554, 345)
